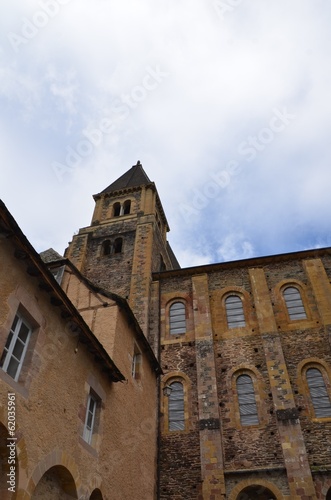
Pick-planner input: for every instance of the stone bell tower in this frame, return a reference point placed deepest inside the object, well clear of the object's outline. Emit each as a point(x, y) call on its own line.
point(126, 241)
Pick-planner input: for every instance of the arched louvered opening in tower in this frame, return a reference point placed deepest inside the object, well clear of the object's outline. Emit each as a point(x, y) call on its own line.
point(116, 209)
point(118, 245)
point(106, 247)
point(126, 207)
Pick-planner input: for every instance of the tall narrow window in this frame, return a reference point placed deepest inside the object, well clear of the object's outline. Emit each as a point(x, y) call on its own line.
point(177, 318)
point(234, 311)
point(89, 426)
point(106, 247)
point(176, 407)
point(116, 209)
point(15, 349)
point(118, 244)
point(136, 364)
point(294, 304)
point(126, 207)
point(246, 400)
point(318, 393)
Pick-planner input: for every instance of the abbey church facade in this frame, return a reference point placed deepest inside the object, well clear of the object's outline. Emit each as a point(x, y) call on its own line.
point(135, 378)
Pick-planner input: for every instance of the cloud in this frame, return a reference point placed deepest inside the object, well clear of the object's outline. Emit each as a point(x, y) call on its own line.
point(235, 247)
point(225, 77)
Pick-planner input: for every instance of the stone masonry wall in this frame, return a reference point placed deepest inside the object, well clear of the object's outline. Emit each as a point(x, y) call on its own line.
point(246, 447)
point(180, 476)
point(51, 396)
point(269, 344)
point(111, 272)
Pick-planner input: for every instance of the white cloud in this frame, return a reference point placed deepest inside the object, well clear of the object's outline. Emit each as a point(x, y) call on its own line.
point(224, 78)
point(235, 247)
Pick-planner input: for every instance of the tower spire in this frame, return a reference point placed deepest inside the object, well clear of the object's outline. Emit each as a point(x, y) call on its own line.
point(134, 177)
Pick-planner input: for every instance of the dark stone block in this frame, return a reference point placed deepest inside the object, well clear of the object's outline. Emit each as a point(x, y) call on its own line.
point(210, 423)
point(287, 415)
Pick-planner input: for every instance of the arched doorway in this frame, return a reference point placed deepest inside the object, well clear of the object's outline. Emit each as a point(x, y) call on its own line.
point(256, 493)
point(56, 484)
point(96, 495)
point(328, 495)
point(8, 465)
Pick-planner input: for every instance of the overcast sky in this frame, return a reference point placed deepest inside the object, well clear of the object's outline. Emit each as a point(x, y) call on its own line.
point(226, 103)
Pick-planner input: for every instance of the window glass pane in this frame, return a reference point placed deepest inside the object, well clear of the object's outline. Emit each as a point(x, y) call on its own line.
point(176, 426)
point(234, 312)
point(23, 333)
point(246, 400)
point(92, 404)
point(58, 273)
point(12, 367)
point(90, 419)
point(136, 361)
point(18, 349)
point(177, 317)
point(176, 407)
point(14, 323)
point(294, 304)
point(318, 393)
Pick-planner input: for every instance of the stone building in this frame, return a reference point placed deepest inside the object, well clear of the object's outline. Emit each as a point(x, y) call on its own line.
point(78, 383)
point(242, 408)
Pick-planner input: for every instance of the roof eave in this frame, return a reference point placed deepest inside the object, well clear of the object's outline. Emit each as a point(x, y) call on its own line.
point(38, 269)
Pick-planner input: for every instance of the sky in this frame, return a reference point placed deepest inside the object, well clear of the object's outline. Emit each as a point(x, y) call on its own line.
point(226, 103)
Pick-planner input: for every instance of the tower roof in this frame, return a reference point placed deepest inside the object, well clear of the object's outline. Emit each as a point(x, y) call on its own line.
point(136, 176)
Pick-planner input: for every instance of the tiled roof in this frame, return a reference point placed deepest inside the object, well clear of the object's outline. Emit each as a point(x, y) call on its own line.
point(136, 176)
point(50, 255)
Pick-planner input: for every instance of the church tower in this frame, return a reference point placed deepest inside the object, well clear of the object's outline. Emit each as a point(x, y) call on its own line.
point(126, 241)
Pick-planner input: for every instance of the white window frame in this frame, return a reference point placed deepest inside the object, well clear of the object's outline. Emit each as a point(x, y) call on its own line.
point(89, 425)
point(9, 349)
